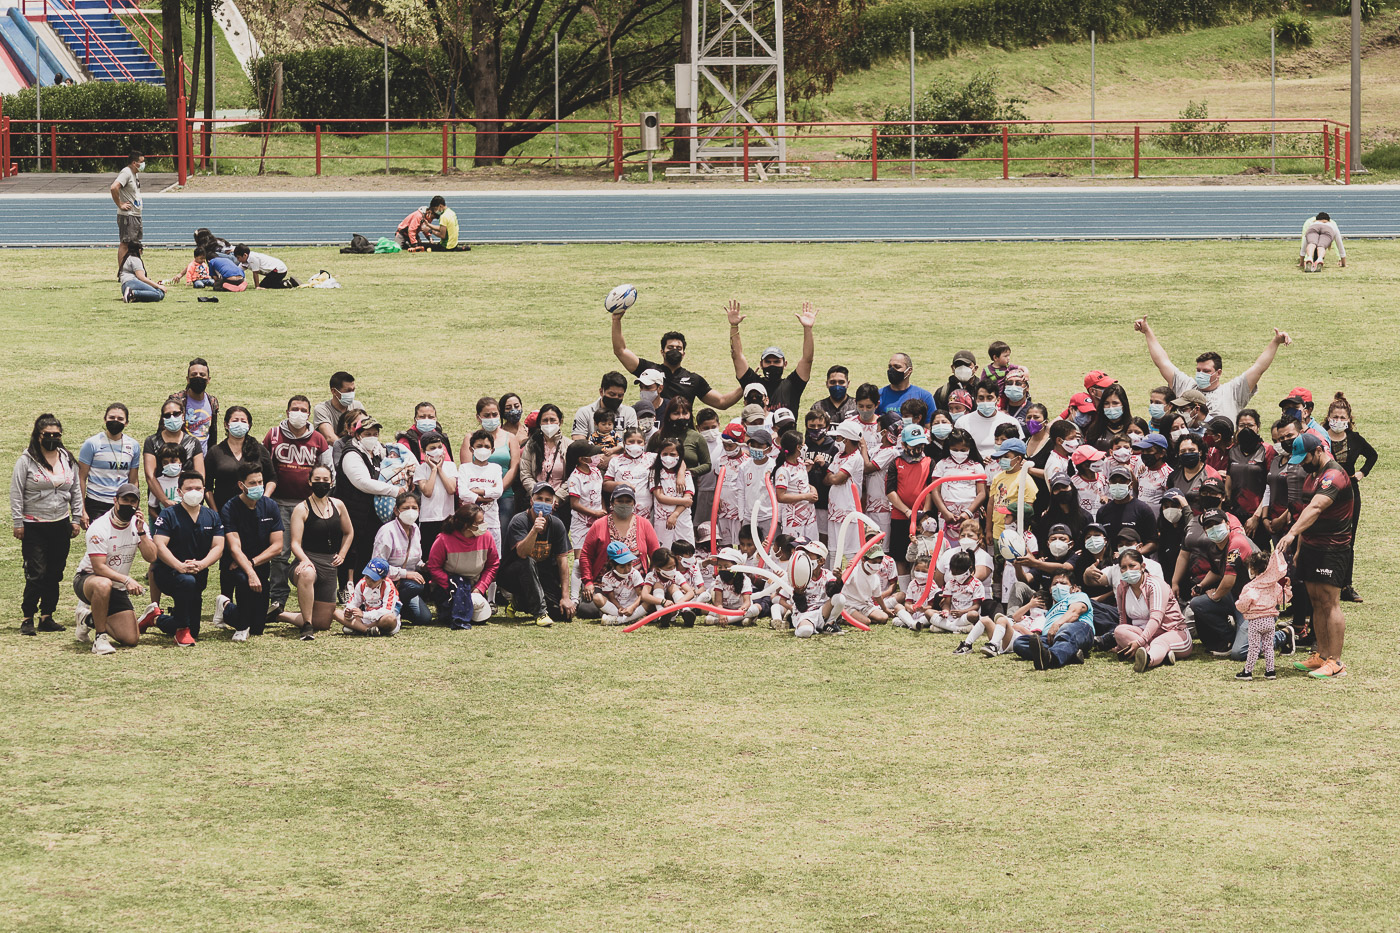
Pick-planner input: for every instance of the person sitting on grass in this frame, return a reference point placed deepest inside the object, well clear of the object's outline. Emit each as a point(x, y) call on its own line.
point(373, 607)
point(446, 230)
point(462, 566)
point(665, 586)
point(197, 272)
point(412, 233)
point(1320, 234)
point(268, 271)
point(1068, 632)
point(104, 583)
point(228, 274)
point(1151, 629)
point(136, 285)
point(618, 595)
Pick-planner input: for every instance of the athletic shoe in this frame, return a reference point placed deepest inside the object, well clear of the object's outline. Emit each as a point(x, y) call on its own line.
point(47, 624)
point(1040, 657)
point(26, 627)
point(1330, 668)
point(347, 630)
point(126, 296)
point(963, 648)
point(1313, 662)
point(612, 620)
point(102, 644)
point(461, 626)
point(343, 595)
point(687, 617)
point(273, 611)
point(148, 618)
point(307, 634)
point(1245, 675)
point(1104, 642)
point(240, 635)
point(779, 624)
point(1140, 660)
point(990, 649)
point(1349, 595)
point(1220, 654)
point(220, 604)
point(1271, 675)
point(82, 632)
point(1291, 644)
point(1170, 659)
point(183, 638)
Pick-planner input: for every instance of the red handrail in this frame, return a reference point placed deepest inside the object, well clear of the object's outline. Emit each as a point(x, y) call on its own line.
point(73, 8)
point(150, 29)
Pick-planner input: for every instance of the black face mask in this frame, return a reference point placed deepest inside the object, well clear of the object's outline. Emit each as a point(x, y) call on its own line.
point(1189, 460)
point(611, 404)
point(815, 437)
point(773, 372)
point(1066, 497)
point(198, 384)
point(727, 576)
point(125, 512)
point(674, 357)
point(895, 376)
point(115, 427)
point(321, 488)
point(1248, 441)
point(49, 442)
point(1206, 503)
point(1311, 467)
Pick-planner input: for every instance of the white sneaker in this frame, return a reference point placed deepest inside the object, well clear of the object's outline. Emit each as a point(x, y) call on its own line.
point(102, 644)
point(612, 620)
point(220, 604)
point(82, 632)
point(241, 635)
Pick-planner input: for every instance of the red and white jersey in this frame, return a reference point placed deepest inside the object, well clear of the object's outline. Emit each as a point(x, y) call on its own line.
point(816, 589)
point(967, 594)
point(118, 545)
point(798, 518)
point(731, 494)
point(635, 472)
point(660, 580)
point(367, 596)
point(754, 476)
point(841, 498)
point(586, 489)
point(1091, 492)
point(622, 589)
point(731, 595)
point(873, 500)
point(1151, 483)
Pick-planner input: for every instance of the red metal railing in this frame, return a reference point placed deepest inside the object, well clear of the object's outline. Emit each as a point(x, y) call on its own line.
point(88, 36)
point(616, 146)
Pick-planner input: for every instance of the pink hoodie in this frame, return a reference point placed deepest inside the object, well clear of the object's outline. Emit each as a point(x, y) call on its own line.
point(1261, 596)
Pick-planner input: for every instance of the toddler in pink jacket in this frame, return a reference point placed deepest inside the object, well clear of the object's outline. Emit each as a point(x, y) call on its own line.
point(1259, 603)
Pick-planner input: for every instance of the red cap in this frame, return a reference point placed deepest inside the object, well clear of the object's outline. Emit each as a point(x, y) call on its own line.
point(531, 418)
point(1086, 453)
point(1301, 394)
point(1097, 380)
point(963, 398)
point(735, 432)
point(1083, 401)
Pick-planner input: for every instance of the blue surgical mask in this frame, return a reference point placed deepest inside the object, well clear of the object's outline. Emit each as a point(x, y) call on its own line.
point(425, 425)
point(1059, 592)
point(757, 453)
point(986, 409)
point(1005, 463)
point(1203, 380)
point(1082, 419)
point(1014, 393)
point(238, 428)
point(174, 422)
point(543, 508)
point(1132, 577)
point(1113, 413)
point(347, 397)
point(837, 393)
point(942, 430)
point(1218, 533)
point(255, 492)
point(490, 424)
point(1118, 491)
point(1156, 410)
point(170, 469)
point(1094, 544)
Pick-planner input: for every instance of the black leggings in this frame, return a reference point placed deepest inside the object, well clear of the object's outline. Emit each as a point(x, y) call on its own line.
point(45, 552)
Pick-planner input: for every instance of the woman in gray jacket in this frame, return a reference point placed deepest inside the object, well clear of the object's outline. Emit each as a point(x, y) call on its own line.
point(46, 507)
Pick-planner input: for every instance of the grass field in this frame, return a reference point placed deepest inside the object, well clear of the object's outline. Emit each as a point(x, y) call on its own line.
point(514, 778)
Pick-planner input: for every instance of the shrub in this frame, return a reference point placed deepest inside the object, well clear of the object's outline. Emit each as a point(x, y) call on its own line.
point(1369, 8)
point(103, 146)
point(963, 104)
point(1292, 29)
point(1195, 119)
point(347, 82)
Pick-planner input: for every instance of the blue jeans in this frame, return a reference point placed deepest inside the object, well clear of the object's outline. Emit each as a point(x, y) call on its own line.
point(1220, 627)
point(415, 607)
point(187, 590)
point(140, 291)
point(1070, 639)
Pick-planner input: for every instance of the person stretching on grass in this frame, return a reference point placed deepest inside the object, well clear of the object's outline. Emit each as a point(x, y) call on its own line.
point(1320, 234)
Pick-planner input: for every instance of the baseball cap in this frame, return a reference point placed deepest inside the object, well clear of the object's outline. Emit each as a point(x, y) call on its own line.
point(735, 432)
point(1060, 479)
point(1121, 473)
point(815, 548)
point(532, 419)
point(751, 412)
point(1212, 517)
point(962, 397)
point(1302, 446)
point(1083, 402)
point(127, 489)
point(1211, 486)
point(650, 377)
point(619, 552)
point(1097, 379)
point(1191, 397)
point(542, 487)
point(964, 356)
point(624, 490)
point(758, 437)
point(1012, 445)
point(890, 419)
point(731, 554)
point(874, 553)
point(1150, 440)
point(913, 436)
point(783, 415)
point(1297, 395)
point(377, 569)
point(755, 387)
point(847, 429)
point(644, 408)
point(773, 351)
point(1084, 453)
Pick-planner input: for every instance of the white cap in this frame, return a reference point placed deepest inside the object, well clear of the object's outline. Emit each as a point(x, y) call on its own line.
point(731, 554)
point(784, 414)
point(815, 548)
point(755, 387)
point(650, 377)
point(850, 430)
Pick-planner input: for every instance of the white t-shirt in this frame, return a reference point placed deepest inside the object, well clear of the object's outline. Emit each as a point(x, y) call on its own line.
point(958, 494)
point(587, 490)
point(1225, 400)
point(129, 190)
point(980, 559)
point(983, 429)
point(635, 472)
point(841, 500)
point(441, 504)
point(262, 263)
point(488, 478)
point(1152, 483)
point(118, 545)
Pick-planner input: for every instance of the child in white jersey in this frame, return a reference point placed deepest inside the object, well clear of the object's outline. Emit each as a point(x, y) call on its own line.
point(674, 494)
point(373, 607)
point(665, 585)
point(731, 590)
point(632, 468)
point(619, 592)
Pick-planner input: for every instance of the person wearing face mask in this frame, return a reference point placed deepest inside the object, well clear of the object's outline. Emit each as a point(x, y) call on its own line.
point(649, 385)
point(905, 479)
point(784, 391)
point(1191, 469)
point(1194, 409)
point(1096, 555)
point(201, 406)
point(189, 539)
point(399, 544)
point(1349, 448)
point(982, 422)
point(425, 421)
point(1081, 410)
point(963, 379)
point(611, 392)
point(623, 524)
point(45, 511)
point(104, 583)
point(545, 453)
point(632, 467)
point(1151, 629)
point(729, 515)
point(1061, 555)
point(328, 414)
point(321, 537)
point(513, 417)
point(960, 500)
point(1151, 470)
point(901, 388)
point(356, 466)
point(480, 481)
point(1112, 418)
point(1125, 510)
point(126, 194)
point(170, 431)
point(1064, 440)
point(842, 480)
point(504, 453)
point(673, 495)
point(1172, 522)
point(677, 424)
point(966, 537)
point(224, 464)
point(1219, 624)
point(1064, 510)
point(1246, 471)
point(295, 448)
point(534, 563)
point(1298, 406)
point(1158, 401)
point(1015, 394)
point(679, 380)
point(1067, 633)
point(107, 460)
point(752, 475)
point(462, 567)
point(838, 405)
point(1221, 398)
point(253, 538)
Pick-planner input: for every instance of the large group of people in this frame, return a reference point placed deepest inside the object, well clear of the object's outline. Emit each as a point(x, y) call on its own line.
point(1038, 527)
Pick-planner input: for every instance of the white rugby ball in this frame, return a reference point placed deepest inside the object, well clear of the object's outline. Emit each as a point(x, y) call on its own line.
point(1012, 544)
point(620, 299)
point(800, 568)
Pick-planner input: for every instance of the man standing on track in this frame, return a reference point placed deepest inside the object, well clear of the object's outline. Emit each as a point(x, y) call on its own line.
point(126, 193)
point(1325, 534)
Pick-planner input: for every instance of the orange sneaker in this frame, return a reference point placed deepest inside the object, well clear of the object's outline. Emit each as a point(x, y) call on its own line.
point(1332, 667)
point(1313, 662)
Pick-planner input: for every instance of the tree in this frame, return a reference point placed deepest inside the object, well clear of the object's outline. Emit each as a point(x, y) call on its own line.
point(171, 48)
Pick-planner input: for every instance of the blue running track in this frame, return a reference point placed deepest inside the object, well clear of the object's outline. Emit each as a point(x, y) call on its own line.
point(698, 215)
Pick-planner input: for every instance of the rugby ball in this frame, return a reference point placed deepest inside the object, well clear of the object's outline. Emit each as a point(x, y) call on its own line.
point(620, 299)
point(1012, 544)
point(800, 568)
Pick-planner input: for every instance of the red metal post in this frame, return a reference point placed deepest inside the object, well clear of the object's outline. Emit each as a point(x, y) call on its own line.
point(617, 152)
point(151, 41)
point(4, 145)
point(1337, 155)
point(87, 45)
point(874, 154)
point(444, 147)
point(1348, 156)
point(181, 140)
point(53, 148)
point(1005, 153)
point(746, 152)
point(1326, 151)
point(1137, 148)
point(318, 150)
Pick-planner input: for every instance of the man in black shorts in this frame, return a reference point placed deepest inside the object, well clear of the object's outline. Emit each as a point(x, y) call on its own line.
point(1325, 535)
point(104, 583)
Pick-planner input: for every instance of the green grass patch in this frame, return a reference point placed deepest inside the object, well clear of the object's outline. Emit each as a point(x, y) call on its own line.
point(515, 778)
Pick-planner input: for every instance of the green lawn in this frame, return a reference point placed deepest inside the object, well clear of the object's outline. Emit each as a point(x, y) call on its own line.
point(515, 778)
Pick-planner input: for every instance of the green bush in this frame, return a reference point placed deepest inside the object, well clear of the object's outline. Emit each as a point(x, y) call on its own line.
point(346, 82)
point(1384, 158)
point(1292, 29)
point(102, 146)
point(1194, 119)
point(942, 25)
point(1369, 8)
point(962, 104)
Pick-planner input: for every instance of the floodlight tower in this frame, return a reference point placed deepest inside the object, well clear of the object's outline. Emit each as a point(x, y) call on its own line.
point(737, 49)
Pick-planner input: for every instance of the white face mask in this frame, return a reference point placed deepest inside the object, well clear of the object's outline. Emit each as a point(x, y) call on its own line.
point(436, 456)
point(919, 578)
point(1179, 433)
point(958, 456)
point(1278, 448)
point(1072, 444)
point(711, 435)
point(670, 460)
point(409, 516)
point(961, 578)
point(968, 544)
point(1122, 454)
point(634, 450)
point(1338, 425)
point(481, 454)
point(963, 373)
point(1172, 515)
point(298, 419)
point(1094, 544)
point(141, 166)
point(1059, 548)
point(549, 430)
point(192, 497)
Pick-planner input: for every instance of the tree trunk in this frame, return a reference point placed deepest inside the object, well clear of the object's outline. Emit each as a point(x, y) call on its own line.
point(680, 144)
point(486, 81)
point(192, 93)
point(171, 49)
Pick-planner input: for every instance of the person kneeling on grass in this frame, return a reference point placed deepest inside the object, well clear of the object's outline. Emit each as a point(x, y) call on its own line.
point(534, 562)
point(268, 271)
point(189, 539)
point(664, 585)
point(136, 285)
point(373, 607)
point(253, 533)
point(103, 582)
point(732, 590)
point(228, 274)
point(619, 592)
point(1068, 632)
point(869, 595)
